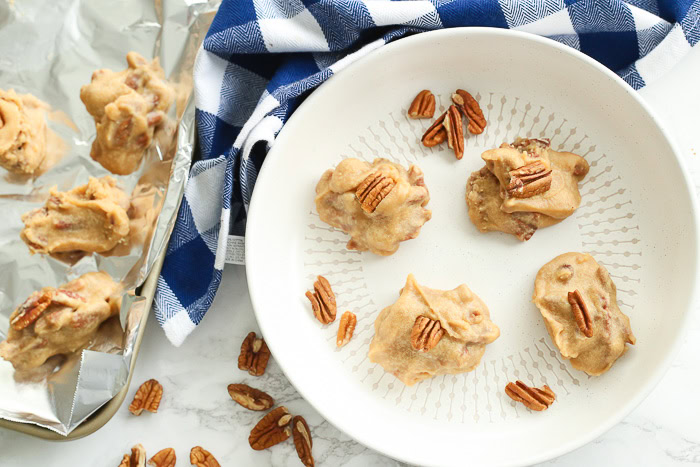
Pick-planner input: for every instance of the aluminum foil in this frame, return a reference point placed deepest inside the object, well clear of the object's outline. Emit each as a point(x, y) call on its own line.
point(50, 49)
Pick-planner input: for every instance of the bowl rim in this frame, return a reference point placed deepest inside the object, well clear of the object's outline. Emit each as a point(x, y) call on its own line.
point(461, 32)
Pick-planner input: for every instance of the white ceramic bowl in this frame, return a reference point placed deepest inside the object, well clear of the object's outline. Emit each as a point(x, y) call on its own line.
point(638, 218)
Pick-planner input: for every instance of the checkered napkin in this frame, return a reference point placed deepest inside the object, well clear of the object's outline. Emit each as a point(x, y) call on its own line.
point(261, 58)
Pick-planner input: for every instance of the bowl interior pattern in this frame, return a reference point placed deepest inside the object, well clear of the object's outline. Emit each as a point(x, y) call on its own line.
point(637, 218)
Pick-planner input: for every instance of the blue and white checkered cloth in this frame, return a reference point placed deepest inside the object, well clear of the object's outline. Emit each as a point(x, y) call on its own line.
point(261, 58)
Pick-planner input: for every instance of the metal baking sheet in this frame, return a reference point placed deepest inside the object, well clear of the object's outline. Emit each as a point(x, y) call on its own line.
point(50, 49)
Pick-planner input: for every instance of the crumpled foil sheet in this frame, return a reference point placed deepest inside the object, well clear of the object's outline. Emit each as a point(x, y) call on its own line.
point(50, 49)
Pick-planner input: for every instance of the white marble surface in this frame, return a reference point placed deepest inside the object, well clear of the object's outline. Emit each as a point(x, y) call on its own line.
point(197, 410)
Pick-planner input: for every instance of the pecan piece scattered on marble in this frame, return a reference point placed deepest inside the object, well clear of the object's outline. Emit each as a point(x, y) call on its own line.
point(250, 398)
point(147, 397)
point(455, 133)
point(423, 105)
point(533, 398)
point(471, 109)
point(136, 459)
point(302, 440)
point(346, 329)
point(254, 355)
point(323, 301)
point(581, 314)
point(163, 458)
point(436, 133)
point(31, 309)
point(529, 180)
point(273, 428)
point(426, 333)
point(200, 457)
point(373, 189)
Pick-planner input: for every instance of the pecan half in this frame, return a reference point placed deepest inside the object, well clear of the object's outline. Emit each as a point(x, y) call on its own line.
point(455, 133)
point(254, 355)
point(529, 180)
point(436, 133)
point(533, 398)
point(147, 397)
point(373, 189)
point(163, 458)
point(471, 109)
point(346, 329)
point(136, 459)
point(202, 458)
point(426, 333)
point(138, 456)
point(323, 301)
point(31, 309)
point(272, 429)
point(581, 314)
point(302, 440)
point(250, 398)
point(423, 105)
